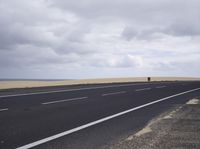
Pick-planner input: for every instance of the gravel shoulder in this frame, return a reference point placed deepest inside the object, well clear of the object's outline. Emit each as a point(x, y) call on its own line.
point(178, 128)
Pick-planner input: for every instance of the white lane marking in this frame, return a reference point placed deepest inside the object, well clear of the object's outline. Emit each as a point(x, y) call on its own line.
point(65, 100)
point(114, 93)
point(69, 90)
point(143, 89)
point(160, 86)
point(3, 109)
point(99, 121)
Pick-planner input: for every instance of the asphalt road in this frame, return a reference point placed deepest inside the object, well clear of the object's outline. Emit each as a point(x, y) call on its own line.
point(87, 116)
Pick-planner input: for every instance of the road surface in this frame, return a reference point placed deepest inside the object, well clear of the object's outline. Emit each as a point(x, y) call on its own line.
point(85, 116)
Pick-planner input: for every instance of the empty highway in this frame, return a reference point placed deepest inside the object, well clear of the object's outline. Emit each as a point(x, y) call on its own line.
point(84, 116)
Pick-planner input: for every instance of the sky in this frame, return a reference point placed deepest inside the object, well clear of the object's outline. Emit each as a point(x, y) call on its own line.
point(77, 39)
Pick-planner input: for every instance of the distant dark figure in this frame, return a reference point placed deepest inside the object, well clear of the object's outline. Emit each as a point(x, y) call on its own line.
point(149, 79)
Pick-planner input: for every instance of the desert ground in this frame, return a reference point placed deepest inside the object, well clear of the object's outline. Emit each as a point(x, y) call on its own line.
point(30, 84)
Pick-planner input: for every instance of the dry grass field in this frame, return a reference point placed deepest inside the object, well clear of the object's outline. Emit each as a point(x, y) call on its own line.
point(29, 84)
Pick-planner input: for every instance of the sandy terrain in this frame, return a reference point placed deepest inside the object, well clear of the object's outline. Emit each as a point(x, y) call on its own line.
point(29, 84)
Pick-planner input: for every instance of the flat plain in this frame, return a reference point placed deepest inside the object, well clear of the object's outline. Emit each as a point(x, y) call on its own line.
point(30, 84)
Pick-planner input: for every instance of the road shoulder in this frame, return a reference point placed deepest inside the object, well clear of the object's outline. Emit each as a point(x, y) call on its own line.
point(177, 128)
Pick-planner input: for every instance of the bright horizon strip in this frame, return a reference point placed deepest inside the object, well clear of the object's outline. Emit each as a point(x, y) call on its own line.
point(39, 142)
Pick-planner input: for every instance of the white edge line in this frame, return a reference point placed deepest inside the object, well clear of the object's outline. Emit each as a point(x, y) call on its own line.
point(114, 93)
point(65, 100)
point(143, 89)
point(98, 121)
point(69, 90)
point(5, 109)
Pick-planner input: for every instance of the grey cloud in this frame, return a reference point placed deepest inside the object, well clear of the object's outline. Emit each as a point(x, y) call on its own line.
point(142, 34)
point(129, 33)
point(98, 34)
point(73, 47)
point(18, 34)
point(184, 29)
point(39, 27)
point(114, 61)
point(22, 58)
point(138, 12)
point(176, 30)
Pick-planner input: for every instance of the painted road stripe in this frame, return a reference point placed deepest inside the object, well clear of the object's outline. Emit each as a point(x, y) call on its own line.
point(65, 100)
point(143, 89)
point(114, 93)
point(99, 121)
point(3, 109)
point(78, 89)
point(160, 86)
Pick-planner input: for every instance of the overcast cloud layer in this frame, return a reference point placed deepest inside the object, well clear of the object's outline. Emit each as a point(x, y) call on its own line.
point(99, 38)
